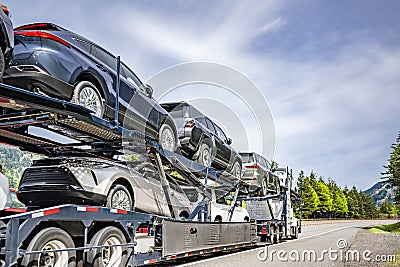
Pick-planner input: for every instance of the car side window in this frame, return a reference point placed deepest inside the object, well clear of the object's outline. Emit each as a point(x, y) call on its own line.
point(220, 133)
point(202, 120)
point(104, 57)
point(210, 125)
point(131, 77)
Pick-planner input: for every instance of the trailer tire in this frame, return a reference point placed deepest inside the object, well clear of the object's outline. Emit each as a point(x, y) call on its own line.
point(276, 236)
point(107, 257)
point(50, 238)
point(296, 233)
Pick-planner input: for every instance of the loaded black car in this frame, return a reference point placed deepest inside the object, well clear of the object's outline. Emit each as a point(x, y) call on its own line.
point(51, 60)
point(6, 38)
point(203, 140)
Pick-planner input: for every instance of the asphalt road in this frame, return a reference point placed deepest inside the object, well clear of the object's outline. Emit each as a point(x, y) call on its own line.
point(329, 241)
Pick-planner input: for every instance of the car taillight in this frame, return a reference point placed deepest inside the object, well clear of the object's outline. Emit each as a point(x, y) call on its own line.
point(189, 122)
point(45, 35)
point(32, 26)
point(5, 9)
point(252, 166)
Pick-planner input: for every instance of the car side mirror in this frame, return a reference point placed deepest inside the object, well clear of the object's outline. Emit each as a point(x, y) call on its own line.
point(149, 90)
point(229, 141)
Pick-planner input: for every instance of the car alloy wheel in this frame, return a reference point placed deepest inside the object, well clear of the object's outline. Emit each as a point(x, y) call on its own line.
point(87, 95)
point(205, 155)
point(167, 138)
point(119, 198)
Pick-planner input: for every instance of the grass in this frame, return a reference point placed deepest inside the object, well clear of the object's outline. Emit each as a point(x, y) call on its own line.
point(386, 228)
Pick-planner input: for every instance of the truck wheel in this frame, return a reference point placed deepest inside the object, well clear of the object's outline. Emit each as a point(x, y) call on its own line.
point(119, 197)
point(51, 238)
point(204, 155)
point(113, 255)
point(87, 95)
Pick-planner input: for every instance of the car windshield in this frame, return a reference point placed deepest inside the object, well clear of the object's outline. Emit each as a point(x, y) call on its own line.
point(247, 157)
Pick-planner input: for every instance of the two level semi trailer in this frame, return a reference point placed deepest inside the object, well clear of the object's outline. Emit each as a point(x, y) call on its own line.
point(75, 235)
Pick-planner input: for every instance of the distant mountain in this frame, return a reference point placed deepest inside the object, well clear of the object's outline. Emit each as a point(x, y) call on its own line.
point(381, 191)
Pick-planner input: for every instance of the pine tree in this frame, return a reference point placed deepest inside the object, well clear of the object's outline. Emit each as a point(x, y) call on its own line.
point(309, 198)
point(393, 168)
point(324, 196)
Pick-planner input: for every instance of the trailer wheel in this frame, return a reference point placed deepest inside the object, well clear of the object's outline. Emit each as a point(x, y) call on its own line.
point(119, 197)
point(295, 235)
point(51, 238)
point(276, 236)
point(108, 256)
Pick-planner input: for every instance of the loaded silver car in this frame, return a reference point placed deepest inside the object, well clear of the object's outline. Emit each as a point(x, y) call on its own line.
point(92, 181)
point(258, 174)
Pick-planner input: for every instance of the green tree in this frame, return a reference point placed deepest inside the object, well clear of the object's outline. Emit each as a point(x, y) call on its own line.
point(309, 197)
point(353, 203)
point(339, 201)
point(324, 195)
point(393, 168)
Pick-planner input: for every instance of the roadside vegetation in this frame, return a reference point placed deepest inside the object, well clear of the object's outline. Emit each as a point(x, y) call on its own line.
point(386, 228)
point(14, 162)
point(325, 199)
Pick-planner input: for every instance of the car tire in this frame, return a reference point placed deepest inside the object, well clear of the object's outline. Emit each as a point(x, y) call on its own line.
point(236, 170)
point(2, 64)
point(167, 137)
point(204, 157)
point(264, 188)
point(218, 219)
point(87, 95)
point(51, 238)
point(119, 197)
point(111, 256)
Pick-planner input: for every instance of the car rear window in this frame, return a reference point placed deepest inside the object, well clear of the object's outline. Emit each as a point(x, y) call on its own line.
point(247, 157)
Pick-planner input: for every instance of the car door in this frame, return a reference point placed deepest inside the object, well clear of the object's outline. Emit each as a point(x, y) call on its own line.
point(223, 155)
point(150, 196)
point(140, 103)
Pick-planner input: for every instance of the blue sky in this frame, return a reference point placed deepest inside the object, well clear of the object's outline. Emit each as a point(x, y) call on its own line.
point(330, 70)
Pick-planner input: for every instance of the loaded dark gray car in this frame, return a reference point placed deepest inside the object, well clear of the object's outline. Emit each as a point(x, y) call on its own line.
point(201, 139)
point(6, 38)
point(258, 173)
point(53, 61)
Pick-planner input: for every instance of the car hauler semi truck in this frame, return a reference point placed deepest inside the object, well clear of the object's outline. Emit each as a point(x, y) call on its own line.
point(70, 235)
point(274, 213)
